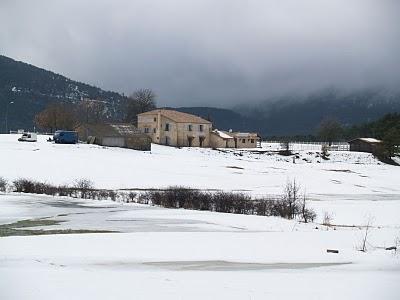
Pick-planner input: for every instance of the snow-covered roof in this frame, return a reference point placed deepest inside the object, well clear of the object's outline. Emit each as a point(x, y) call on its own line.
point(367, 140)
point(370, 140)
point(125, 129)
point(251, 135)
point(177, 116)
point(110, 130)
point(222, 134)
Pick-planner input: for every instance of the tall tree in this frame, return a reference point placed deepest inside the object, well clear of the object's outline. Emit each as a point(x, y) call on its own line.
point(330, 130)
point(140, 101)
point(56, 116)
point(90, 111)
point(391, 141)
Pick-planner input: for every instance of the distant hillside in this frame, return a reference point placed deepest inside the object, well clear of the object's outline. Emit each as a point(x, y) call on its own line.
point(32, 88)
point(302, 115)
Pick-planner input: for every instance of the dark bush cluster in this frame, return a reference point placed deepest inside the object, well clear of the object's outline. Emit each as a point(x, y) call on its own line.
point(23, 185)
point(3, 184)
point(82, 188)
point(290, 205)
point(228, 202)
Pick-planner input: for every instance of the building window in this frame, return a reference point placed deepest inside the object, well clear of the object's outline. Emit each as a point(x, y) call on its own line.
point(201, 127)
point(146, 130)
point(243, 141)
point(166, 126)
point(190, 127)
point(154, 130)
point(155, 119)
point(252, 141)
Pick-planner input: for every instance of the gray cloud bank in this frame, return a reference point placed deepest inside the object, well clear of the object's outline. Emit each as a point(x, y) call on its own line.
point(203, 52)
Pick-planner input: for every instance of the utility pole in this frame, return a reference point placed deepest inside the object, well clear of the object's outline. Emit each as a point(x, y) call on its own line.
point(8, 104)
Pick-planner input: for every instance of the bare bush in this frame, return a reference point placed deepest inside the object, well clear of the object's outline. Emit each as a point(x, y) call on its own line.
point(290, 205)
point(327, 220)
point(3, 184)
point(367, 230)
point(112, 195)
point(228, 202)
point(83, 186)
point(307, 214)
point(324, 152)
point(131, 196)
point(293, 203)
point(23, 185)
point(285, 148)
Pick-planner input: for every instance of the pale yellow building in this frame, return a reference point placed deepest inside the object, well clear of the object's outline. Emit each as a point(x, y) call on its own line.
point(221, 139)
point(229, 139)
point(246, 139)
point(174, 128)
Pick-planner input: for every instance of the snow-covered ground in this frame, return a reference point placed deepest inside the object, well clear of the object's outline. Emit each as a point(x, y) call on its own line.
point(116, 168)
point(156, 253)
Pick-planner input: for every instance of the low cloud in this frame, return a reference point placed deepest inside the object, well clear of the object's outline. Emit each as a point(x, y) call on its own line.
point(206, 52)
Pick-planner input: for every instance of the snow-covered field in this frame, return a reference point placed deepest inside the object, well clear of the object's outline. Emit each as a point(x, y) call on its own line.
point(116, 168)
point(156, 253)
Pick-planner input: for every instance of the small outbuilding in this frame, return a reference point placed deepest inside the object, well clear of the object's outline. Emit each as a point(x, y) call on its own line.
point(369, 145)
point(229, 139)
point(115, 135)
point(246, 139)
point(221, 139)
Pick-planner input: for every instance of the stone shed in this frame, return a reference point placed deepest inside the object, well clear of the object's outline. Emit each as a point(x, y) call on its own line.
point(369, 145)
point(221, 139)
point(114, 135)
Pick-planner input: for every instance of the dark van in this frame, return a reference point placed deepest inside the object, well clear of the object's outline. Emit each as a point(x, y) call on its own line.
point(65, 137)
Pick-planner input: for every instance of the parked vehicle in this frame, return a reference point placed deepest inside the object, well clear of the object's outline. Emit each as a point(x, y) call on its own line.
point(65, 137)
point(28, 137)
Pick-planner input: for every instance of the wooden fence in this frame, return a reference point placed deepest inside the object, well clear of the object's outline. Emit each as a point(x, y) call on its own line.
point(304, 146)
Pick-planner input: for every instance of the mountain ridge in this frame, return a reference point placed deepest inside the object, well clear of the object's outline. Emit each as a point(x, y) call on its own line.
point(32, 88)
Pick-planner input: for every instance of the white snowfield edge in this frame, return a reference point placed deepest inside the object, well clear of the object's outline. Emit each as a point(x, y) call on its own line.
point(117, 168)
point(182, 254)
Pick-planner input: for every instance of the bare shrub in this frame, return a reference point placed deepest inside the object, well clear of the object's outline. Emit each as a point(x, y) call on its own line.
point(324, 152)
point(291, 199)
point(293, 204)
point(3, 184)
point(112, 195)
point(290, 205)
point(327, 220)
point(23, 185)
point(285, 148)
point(367, 230)
point(397, 245)
point(131, 196)
point(102, 195)
point(228, 202)
point(307, 214)
point(83, 186)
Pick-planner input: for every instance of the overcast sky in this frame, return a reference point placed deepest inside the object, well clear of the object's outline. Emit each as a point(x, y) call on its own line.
point(217, 52)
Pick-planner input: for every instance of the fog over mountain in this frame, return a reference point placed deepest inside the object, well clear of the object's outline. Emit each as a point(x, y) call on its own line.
point(210, 53)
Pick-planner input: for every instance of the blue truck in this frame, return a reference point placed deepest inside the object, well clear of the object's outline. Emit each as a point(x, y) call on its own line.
point(65, 137)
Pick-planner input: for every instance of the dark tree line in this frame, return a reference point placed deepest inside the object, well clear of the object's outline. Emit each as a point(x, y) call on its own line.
point(68, 116)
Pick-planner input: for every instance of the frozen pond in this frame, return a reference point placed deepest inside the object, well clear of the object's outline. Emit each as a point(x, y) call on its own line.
point(136, 251)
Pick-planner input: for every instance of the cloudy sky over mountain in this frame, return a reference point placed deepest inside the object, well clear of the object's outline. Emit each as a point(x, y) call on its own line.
point(205, 52)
